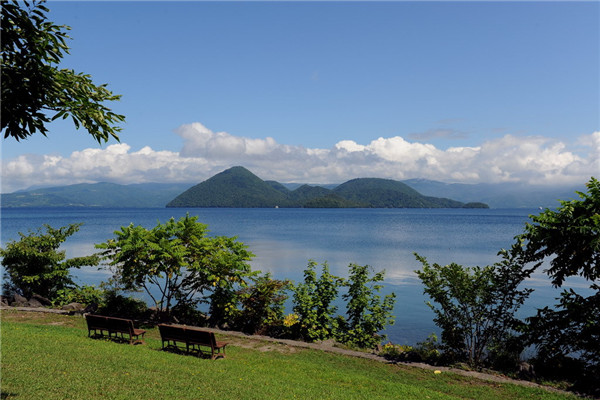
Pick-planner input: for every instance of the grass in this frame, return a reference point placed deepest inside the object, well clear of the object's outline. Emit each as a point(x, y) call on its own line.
point(50, 356)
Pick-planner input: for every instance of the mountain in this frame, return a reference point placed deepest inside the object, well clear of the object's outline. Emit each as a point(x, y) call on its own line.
point(96, 195)
point(307, 192)
point(238, 187)
point(235, 187)
point(387, 193)
point(499, 195)
point(363, 192)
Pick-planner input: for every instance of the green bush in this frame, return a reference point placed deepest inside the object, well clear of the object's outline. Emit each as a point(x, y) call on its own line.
point(367, 314)
point(85, 294)
point(118, 305)
point(428, 350)
point(396, 351)
point(313, 300)
point(475, 306)
point(34, 264)
point(262, 305)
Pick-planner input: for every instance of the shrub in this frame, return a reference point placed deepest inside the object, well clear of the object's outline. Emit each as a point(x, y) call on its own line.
point(118, 305)
point(396, 351)
point(428, 350)
point(35, 266)
point(367, 314)
point(313, 300)
point(262, 305)
point(475, 306)
point(85, 294)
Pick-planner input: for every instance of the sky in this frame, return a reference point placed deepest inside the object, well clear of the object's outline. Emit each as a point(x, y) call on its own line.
point(322, 92)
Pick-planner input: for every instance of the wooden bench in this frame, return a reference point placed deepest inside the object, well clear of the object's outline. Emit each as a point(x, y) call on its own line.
point(116, 326)
point(194, 338)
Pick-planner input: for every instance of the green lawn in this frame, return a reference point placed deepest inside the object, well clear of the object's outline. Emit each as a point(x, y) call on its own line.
point(50, 357)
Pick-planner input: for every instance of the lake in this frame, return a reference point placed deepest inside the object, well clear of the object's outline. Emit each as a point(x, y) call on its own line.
point(283, 241)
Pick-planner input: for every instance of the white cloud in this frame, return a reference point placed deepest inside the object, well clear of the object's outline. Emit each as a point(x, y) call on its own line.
point(200, 141)
point(350, 146)
point(531, 159)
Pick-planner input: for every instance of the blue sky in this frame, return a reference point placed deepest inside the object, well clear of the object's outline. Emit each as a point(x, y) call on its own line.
point(322, 92)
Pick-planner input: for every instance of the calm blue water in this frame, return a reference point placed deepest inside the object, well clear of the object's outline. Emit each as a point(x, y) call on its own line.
point(283, 241)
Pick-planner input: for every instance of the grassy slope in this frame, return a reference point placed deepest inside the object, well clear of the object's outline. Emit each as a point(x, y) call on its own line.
point(51, 357)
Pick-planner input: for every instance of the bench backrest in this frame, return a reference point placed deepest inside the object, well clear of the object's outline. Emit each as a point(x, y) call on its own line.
point(95, 321)
point(170, 332)
point(120, 324)
point(187, 334)
point(109, 323)
point(201, 337)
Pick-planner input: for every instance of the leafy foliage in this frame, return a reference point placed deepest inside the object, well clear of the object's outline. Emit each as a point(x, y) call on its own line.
point(33, 85)
point(85, 294)
point(570, 239)
point(313, 300)
point(262, 304)
point(178, 260)
point(425, 351)
point(367, 314)
point(570, 236)
point(35, 266)
point(476, 306)
point(115, 304)
point(573, 327)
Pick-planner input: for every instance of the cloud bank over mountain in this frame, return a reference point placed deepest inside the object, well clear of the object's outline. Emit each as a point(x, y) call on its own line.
point(523, 159)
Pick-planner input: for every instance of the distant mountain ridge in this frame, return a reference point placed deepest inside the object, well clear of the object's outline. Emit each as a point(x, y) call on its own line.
point(103, 194)
point(503, 195)
point(500, 195)
point(238, 187)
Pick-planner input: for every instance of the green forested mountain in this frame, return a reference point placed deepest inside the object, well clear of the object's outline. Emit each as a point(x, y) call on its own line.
point(235, 187)
point(498, 195)
point(387, 193)
point(238, 187)
point(307, 192)
point(330, 200)
point(278, 186)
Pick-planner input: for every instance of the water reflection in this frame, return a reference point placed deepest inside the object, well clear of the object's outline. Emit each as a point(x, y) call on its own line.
point(284, 240)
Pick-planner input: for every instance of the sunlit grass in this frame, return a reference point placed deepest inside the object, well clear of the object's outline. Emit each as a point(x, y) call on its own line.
point(51, 357)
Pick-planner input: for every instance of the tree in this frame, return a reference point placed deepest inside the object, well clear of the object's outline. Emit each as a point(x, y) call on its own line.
point(176, 261)
point(569, 240)
point(34, 90)
point(35, 266)
point(570, 236)
point(262, 304)
point(367, 314)
point(476, 306)
point(313, 300)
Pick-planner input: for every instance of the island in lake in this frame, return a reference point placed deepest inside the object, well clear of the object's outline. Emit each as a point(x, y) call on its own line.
point(237, 187)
